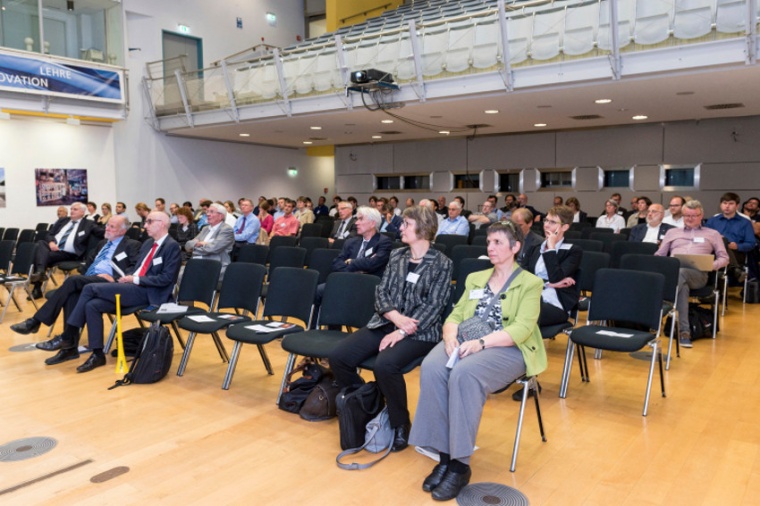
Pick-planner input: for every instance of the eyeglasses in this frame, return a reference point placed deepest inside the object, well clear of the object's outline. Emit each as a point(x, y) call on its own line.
point(150, 222)
point(553, 222)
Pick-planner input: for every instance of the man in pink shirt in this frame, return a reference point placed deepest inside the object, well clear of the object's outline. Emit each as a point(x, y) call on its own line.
point(287, 224)
point(693, 239)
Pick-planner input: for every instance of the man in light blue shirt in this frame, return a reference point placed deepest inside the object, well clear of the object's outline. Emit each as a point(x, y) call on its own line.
point(455, 224)
point(246, 228)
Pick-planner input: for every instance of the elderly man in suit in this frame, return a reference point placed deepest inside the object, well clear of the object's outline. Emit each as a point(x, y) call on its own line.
point(654, 229)
point(523, 218)
point(67, 239)
point(150, 283)
point(115, 250)
point(215, 241)
point(345, 225)
point(368, 252)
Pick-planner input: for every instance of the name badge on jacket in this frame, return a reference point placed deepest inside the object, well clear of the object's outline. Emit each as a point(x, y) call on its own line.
point(158, 261)
point(412, 278)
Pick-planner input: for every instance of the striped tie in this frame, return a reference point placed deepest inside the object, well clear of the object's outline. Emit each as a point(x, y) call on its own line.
point(66, 234)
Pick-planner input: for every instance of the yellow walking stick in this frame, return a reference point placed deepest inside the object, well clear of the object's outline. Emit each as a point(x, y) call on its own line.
point(121, 358)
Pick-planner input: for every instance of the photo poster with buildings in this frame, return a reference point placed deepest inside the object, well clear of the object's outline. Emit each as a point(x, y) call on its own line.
point(2, 187)
point(60, 187)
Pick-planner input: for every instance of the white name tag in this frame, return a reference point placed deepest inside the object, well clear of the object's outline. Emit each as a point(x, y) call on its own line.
point(121, 256)
point(80, 234)
point(477, 294)
point(282, 225)
point(699, 239)
point(158, 261)
point(412, 278)
point(368, 252)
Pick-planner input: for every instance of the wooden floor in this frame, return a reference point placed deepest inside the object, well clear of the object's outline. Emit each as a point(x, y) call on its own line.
point(186, 441)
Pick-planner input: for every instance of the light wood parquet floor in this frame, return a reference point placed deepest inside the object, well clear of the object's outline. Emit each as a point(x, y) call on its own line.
point(186, 441)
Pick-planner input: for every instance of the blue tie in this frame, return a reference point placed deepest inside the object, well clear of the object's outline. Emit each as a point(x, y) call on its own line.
point(104, 253)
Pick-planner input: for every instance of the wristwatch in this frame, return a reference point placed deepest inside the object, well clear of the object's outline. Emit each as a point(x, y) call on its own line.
point(401, 331)
point(482, 343)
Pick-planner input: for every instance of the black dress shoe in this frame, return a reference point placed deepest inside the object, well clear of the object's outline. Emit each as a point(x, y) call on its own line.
point(92, 362)
point(401, 437)
point(38, 277)
point(36, 293)
point(51, 344)
point(435, 477)
point(28, 326)
point(62, 356)
point(451, 484)
point(517, 396)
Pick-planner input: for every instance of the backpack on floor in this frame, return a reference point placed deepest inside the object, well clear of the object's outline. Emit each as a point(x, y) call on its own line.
point(132, 339)
point(153, 359)
point(700, 322)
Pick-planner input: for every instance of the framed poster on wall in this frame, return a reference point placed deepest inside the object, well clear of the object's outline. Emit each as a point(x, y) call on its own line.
point(2, 187)
point(60, 187)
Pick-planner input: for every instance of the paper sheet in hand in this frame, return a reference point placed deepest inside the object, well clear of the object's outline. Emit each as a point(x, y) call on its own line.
point(453, 359)
point(201, 318)
point(170, 307)
point(116, 269)
point(613, 334)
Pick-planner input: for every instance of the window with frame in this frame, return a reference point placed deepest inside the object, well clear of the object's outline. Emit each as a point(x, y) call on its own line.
point(509, 182)
point(617, 178)
point(388, 182)
point(417, 182)
point(465, 181)
point(551, 180)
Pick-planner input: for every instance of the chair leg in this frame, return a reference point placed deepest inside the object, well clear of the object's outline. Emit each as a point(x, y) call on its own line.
point(670, 342)
point(175, 327)
point(220, 347)
point(582, 363)
point(528, 384)
point(111, 337)
point(662, 376)
point(566, 369)
point(649, 378)
point(288, 367)
point(265, 359)
point(715, 315)
point(232, 365)
point(8, 303)
point(186, 354)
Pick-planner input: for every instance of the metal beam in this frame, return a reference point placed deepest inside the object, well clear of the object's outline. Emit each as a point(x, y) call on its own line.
point(183, 95)
point(283, 85)
point(230, 92)
point(419, 86)
point(615, 62)
point(506, 71)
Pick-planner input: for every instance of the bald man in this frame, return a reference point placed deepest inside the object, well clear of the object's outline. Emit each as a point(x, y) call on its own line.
point(654, 229)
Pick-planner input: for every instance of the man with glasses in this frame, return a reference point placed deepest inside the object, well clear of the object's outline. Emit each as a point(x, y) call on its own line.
point(692, 239)
point(654, 229)
point(485, 217)
point(455, 224)
point(345, 225)
point(150, 283)
point(675, 217)
point(215, 241)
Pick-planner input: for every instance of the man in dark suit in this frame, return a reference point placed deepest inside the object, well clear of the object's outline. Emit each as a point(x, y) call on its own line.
point(115, 249)
point(66, 240)
point(654, 229)
point(151, 283)
point(523, 218)
point(345, 225)
point(368, 252)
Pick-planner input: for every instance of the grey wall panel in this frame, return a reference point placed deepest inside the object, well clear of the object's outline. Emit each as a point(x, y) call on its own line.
point(359, 183)
point(364, 159)
point(742, 178)
point(443, 182)
point(611, 147)
point(431, 156)
point(587, 179)
point(721, 140)
point(646, 178)
point(512, 151)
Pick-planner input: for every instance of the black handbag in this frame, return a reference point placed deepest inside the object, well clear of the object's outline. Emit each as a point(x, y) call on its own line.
point(295, 393)
point(357, 405)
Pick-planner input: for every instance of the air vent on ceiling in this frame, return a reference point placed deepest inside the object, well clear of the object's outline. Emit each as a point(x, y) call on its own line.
point(390, 132)
point(478, 125)
point(720, 107)
point(317, 138)
point(584, 117)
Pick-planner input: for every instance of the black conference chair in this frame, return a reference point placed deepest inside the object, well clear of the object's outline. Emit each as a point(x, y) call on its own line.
point(480, 240)
point(449, 241)
point(586, 244)
point(26, 235)
point(586, 232)
point(6, 255)
point(279, 241)
point(312, 243)
point(337, 244)
point(621, 248)
point(280, 304)
point(710, 294)
point(572, 234)
point(311, 230)
point(461, 252)
point(668, 267)
point(466, 267)
point(327, 225)
point(240, 292)
point(42, 227)
point(321, 261)
point(18, 276)
point(643, 296)
point(352, 312)
point(607, 239)
point(2, 233)
point(11, 234)
point(253, 254)
point(591, 261)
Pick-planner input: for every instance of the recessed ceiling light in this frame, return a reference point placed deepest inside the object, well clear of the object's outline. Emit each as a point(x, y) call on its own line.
point(387, 121)
point(245, 135)
point(316, 128)
point(640, 117)
point(603, 101)
point(491, 111)
point(539, 125)
point(307, 142)
point(377, 136)
point(444, 132)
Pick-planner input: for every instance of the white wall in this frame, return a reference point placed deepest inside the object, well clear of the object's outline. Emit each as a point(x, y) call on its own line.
point(28, 144)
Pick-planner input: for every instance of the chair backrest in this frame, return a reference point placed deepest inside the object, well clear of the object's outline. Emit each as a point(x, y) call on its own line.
point(480, 240)
point(450, 240)
point(11, 234)
point(572, 234)
point(586, 232)
point(321, 261)
point(311, 243)
point(6, 254)
point(349, 299)
point(2, 233)
point(253, 254)
point(667, 266)
point(621, 248)
point(27, 235)
point(241, 287)
point(398, 244)
point(591, 261)
point(278, 241)
point(440, 247)
point(199, 281)
point(283, 300)
point(586, 244)
point(311, 230)
point(337, 244)
point(461, 252)
point(327, 224)
point(22, 262)
point(42, 227)
point(627, 296)
point(607, 239)
point(466, 267)
point(287, 256)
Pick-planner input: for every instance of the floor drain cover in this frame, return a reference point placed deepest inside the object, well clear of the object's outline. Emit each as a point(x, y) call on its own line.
point(22, 449)
point(480, 494)
point(23, 347)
